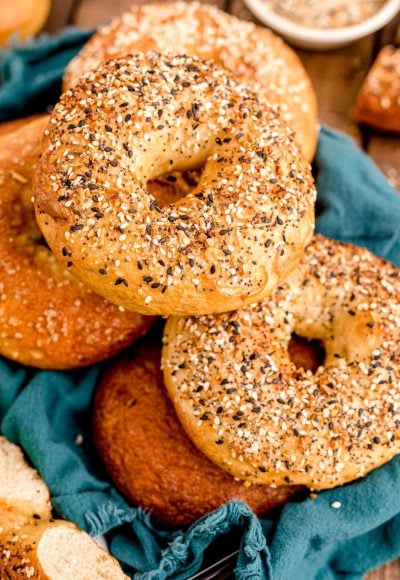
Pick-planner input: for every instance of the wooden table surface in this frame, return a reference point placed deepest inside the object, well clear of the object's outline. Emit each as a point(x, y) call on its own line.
point(336, 75)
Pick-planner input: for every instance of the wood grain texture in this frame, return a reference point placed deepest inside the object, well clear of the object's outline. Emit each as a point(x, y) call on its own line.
point(95, 12)
point(61, 14)
point(337, 77)
point(92, 13)
point(385, 149)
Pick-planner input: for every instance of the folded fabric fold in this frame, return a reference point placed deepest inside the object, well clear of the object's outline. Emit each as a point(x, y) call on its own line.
point(49, 413)
point(30, 75)
point(355, 202)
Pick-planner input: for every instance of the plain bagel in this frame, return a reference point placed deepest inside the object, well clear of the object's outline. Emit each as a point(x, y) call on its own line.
point(257, 57)
point(228, 243)
point(250, 410)
point(47, 318)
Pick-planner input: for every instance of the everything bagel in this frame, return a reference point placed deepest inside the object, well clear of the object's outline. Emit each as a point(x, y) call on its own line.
point(257, 57)
point(148, 454)
point(229, 242)
point(250, 410)
point(47, 318)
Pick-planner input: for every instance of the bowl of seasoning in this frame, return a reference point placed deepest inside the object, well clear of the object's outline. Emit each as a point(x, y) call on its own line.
point(324, 24)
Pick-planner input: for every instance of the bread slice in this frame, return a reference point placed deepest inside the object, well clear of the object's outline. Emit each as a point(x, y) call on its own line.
point(23, 494)
point(55, 551)
point(32, 545)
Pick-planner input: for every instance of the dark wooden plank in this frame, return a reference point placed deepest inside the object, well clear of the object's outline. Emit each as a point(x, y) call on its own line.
point(95, 12)
point(337, 77)
point(91, 13)
point(389, 34)
point(239, 9)
point(385, 149)
point(61, 14)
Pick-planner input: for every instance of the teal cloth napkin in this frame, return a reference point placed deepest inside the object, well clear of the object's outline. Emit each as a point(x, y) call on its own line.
point(30, 75)
point(45, 411)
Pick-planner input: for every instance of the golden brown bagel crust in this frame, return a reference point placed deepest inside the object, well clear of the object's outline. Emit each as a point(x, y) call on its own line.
point(229, 242)
point(253, 54)
point(10, 126)
point(248, 408)
point(148, 454)
point(378, 103)
point(47, 318)
point(22, 18)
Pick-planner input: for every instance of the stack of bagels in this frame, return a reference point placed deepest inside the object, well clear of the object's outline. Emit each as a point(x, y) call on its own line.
point(172, 179)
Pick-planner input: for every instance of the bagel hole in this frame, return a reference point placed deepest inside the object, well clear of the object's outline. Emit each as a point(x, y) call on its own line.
point(25, 215)
point(171, 187)
point(305, 353)
point(42, 242)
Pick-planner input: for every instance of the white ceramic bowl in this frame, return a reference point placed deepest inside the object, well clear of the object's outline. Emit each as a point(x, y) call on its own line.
point(322, 38)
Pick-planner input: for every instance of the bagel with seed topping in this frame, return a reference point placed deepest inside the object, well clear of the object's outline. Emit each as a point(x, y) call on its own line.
point(251, 411)
point(48, 319)
point(229, 242)
point(148, 454)
point(257, 57)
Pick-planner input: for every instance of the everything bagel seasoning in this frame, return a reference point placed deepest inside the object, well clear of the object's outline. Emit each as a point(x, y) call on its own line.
point(326, 13)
